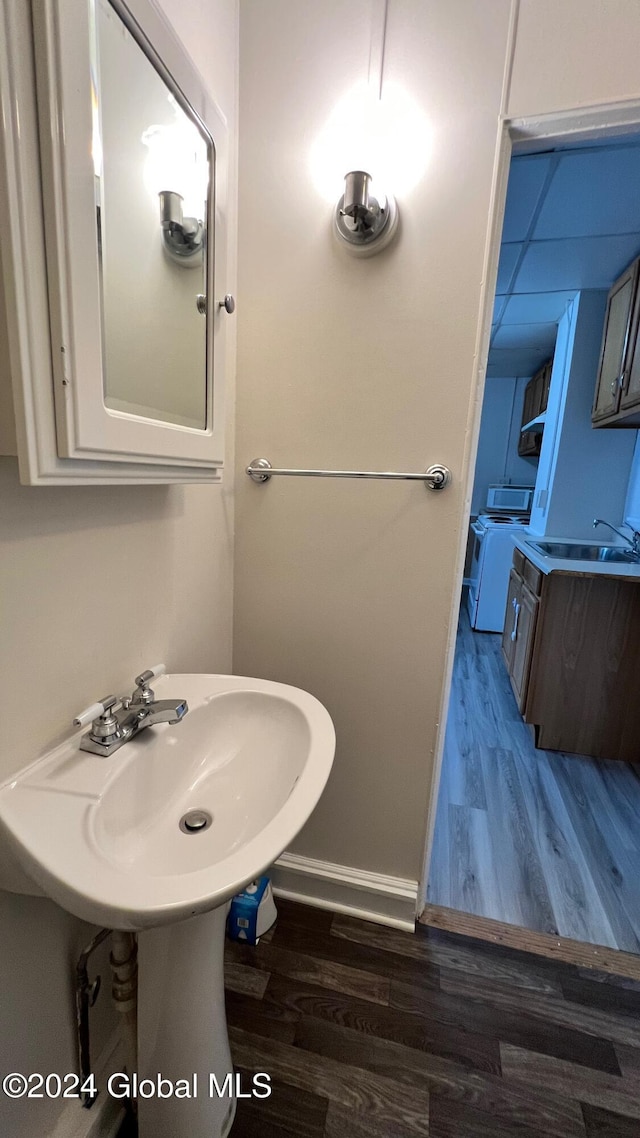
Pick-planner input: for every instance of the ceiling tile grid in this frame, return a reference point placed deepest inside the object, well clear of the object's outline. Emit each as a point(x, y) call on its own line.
point(572, 221)
point(577, 262)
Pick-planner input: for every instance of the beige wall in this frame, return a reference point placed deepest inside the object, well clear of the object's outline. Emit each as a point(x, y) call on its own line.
point(95, 584)
point(345, 587)
point(348, 588)
point(577, 53)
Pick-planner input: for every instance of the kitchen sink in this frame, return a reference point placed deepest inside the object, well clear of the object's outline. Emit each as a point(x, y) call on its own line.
point(578, 552)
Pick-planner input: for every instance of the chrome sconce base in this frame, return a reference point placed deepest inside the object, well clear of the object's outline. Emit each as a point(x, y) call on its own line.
point(183, 237)
point(363, 223)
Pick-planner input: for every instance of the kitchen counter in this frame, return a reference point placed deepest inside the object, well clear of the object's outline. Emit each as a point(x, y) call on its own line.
point(565, 566)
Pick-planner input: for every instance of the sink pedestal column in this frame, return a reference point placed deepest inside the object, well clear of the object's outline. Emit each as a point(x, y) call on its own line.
point(182, 1028)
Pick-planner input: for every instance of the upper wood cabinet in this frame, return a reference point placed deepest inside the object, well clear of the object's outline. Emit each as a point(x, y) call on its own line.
point(113, 167)
point(536, 397)
point(617, 396)
point(630, 393)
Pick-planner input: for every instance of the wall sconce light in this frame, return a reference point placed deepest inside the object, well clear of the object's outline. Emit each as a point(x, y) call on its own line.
point(365, 223)
point(183, 237)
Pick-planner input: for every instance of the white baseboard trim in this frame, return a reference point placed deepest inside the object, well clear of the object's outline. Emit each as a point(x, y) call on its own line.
point(356, 892)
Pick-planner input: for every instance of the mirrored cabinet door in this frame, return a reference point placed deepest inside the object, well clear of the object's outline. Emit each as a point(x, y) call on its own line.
point(132, 153)
point(153, 166)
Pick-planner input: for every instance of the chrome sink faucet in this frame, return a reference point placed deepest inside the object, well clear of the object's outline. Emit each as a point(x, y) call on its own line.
point(634, 541)
point(115, 720)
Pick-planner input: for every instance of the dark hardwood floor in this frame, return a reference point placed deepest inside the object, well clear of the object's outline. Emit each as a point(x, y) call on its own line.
point(535, 838)
point(369, 1032)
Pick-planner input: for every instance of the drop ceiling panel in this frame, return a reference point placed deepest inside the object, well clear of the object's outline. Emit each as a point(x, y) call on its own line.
point(536, 307)
point(497, 307)
point(574, 263)
point(526, 336)
point(592, 193)
point(572, 221)
point(526, 180)
point(505, 362)
point(508, 260)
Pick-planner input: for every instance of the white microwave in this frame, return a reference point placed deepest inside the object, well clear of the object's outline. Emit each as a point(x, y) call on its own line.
point(511, 499)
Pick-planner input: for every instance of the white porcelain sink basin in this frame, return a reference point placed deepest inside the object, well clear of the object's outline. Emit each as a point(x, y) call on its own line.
point(101, 836)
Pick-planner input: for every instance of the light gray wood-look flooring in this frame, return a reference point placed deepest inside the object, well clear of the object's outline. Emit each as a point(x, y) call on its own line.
point(542, 839)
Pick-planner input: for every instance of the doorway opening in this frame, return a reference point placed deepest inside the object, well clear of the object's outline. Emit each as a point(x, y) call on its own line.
point(536, 819)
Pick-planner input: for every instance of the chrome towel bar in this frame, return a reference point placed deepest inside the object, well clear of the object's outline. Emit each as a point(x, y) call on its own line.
point(435, 478)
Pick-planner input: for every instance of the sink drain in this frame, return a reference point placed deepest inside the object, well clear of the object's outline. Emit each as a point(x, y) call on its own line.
point(195, 821)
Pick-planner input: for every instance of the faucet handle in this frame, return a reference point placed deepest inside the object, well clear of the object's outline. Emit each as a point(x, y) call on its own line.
point(95, 710)
point(150, 674)
point(143, 692)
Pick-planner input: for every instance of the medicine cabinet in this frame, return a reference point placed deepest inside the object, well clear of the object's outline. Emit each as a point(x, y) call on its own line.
point(113, 166)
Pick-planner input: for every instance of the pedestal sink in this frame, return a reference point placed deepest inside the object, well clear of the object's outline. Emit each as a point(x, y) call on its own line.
point(102, 838)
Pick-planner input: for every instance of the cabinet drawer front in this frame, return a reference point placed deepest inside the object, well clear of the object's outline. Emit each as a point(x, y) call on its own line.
point(518, 561)
point(532, 576)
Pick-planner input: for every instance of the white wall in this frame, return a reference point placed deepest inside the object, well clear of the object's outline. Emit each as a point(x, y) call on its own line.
point(632, 503)
point(583, 473)
point(497, 459)
point(348, 588)
point(96, 583)
point(519, 470)
point(493, 442)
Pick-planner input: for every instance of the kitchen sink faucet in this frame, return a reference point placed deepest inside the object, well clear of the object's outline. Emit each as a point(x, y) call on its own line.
point(634, 541)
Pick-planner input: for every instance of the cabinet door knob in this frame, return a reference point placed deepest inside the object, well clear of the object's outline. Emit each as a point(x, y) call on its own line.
point(228, 304)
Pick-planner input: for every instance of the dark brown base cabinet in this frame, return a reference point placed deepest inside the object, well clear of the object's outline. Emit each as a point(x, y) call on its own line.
point(571, 647)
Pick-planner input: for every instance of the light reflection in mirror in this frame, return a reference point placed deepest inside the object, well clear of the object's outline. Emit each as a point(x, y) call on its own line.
point(154, 335)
